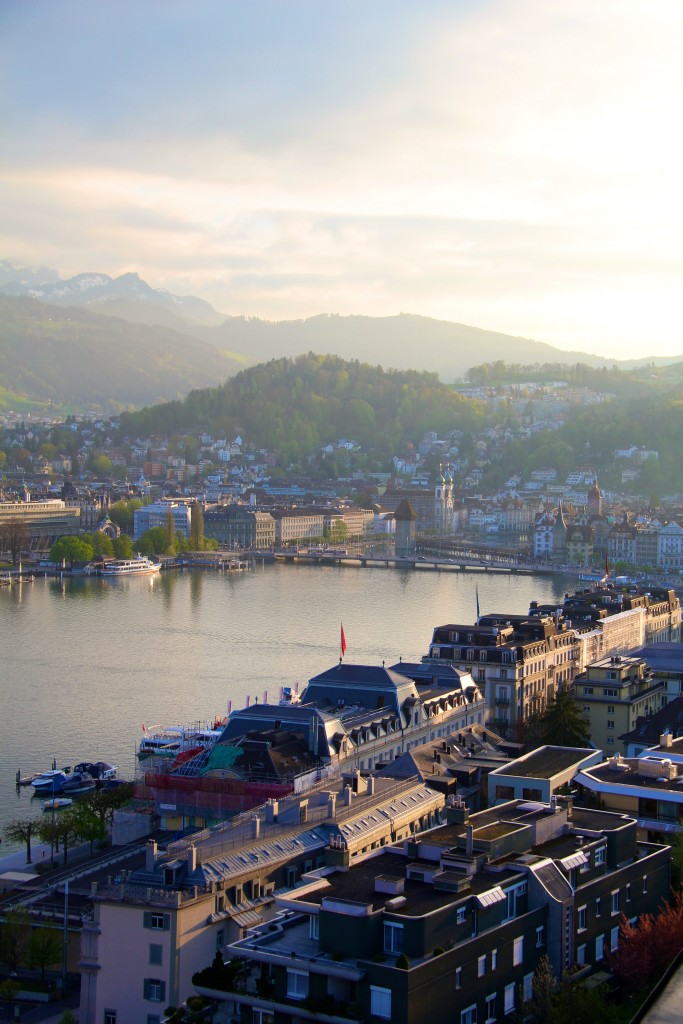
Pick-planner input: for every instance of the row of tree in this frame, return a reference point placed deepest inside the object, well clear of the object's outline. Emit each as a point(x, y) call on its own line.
point(87, 820)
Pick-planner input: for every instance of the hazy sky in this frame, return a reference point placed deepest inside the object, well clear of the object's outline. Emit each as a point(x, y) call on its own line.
point(511, 164)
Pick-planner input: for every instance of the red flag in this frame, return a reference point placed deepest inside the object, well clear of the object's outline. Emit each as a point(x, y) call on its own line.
point(343, 641)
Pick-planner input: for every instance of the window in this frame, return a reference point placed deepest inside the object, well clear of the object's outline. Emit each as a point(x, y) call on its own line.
point(610, 723)
point(469, 1016)
point(600, 855)
point(380, 1002)
point(628, 891)
point(261, 1016)
point(297, 984)
point(644, 883)
point(494, 959)
point(158, 922)
point(581, 919)
point(581, 954)
point(154, 990)
point(615, 901)
point(491, 1008)
point(110, 1017)
point(314, 927)
point(540, 936)
point(220, 939)
point(155, 953)
point(599, 947)
point(614, 938)
point(481, 966)
point(527, 987)
point(461, 915)
point(509, 996)
point(518, 950)
point(588, 691)
point(610, 709)
point(598, 907)
point(393, 937)
point(458, 977)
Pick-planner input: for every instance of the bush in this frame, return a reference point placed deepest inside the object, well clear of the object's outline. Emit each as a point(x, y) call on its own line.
point(402, 962)
point(438, 950)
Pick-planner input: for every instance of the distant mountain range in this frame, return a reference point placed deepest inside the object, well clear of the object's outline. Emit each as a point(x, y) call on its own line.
point(171, 344)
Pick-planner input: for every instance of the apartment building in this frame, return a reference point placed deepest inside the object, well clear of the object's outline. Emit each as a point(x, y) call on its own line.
point(613, 693)
point(450, 926)
point(152, 930)
point(649, 787)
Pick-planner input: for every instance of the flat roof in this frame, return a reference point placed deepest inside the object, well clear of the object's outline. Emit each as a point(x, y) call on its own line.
point(545, 762)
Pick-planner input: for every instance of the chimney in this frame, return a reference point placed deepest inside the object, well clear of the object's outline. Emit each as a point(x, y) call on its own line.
point(331, 805)
point(347, 796)
point(191, 859)
point(666, 740)
point(272, 808)
point(256, 827)
point(150, 856)
point(371, 785)
point(469, 840)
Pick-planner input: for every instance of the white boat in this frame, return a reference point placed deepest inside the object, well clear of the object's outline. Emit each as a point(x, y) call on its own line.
point(140, 566)
point(57, 803)
point(171, 740)
point(51, 781)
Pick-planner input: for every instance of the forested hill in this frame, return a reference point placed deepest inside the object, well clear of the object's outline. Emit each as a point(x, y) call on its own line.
point(298, 405)
point(74, 358)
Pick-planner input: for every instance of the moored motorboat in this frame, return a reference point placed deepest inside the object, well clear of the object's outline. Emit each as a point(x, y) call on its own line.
point(51, 781)
point(100, 771)
point(80, 782)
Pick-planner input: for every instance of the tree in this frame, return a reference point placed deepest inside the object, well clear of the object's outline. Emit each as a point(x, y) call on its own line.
point(14, 938)
point(543, 987)
point(101, 465)
point(14, 537)
point(561, 724)
point(45, 948)
point(59, 827)
point(88, 826)
point(101, 542)
point(71, 549)
point(123, 546)
point(197, 527)
point(154, 541)
point(22, 830)
point(9, 990)
point(169, 530)
point(103, 802)
point(647, 948)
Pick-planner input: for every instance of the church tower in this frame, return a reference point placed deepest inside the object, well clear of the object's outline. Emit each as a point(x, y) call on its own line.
point(594, 499)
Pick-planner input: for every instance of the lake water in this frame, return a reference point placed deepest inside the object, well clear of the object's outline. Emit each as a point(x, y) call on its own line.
point(84, 663)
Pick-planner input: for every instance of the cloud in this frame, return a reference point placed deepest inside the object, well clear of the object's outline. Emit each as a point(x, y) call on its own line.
point(510, 163)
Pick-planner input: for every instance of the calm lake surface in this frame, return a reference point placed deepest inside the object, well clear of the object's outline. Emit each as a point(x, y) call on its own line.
point(83, 663)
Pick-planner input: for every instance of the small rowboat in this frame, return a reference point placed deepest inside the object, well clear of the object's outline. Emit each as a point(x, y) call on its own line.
point(57, 804)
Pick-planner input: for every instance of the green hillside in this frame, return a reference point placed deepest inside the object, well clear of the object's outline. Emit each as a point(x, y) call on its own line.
point(76, 359)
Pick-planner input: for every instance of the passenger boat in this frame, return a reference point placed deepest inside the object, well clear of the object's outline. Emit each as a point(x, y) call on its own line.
point(172, 740)
point(116, 568)
point(57, 803)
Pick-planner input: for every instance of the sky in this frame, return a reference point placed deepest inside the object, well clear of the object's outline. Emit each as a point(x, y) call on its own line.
point(510, 164)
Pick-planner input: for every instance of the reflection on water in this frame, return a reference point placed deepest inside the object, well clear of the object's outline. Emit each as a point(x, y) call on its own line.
point(86, 661)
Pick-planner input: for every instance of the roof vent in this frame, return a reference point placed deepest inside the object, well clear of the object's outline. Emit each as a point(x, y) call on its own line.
point(396, 903)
